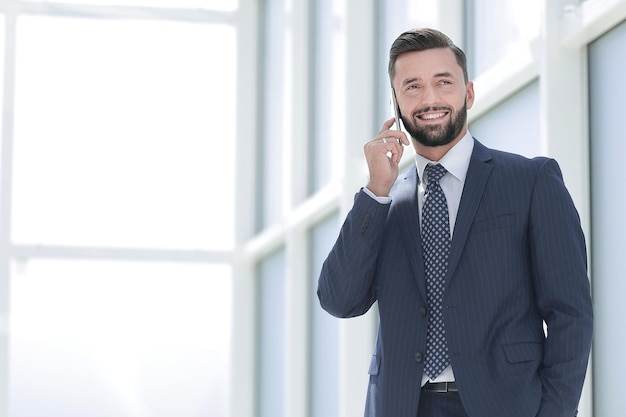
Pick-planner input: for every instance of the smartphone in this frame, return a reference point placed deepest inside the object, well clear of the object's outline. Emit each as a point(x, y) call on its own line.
point(396, 109)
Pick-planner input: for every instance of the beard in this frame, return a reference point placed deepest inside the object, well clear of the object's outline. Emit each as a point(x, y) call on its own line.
point(437, 135)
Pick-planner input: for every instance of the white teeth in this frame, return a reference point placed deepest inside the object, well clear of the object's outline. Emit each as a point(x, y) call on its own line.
point(432, 116)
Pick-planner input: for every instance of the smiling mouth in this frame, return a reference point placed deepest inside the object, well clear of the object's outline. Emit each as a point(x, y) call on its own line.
point(432, 116)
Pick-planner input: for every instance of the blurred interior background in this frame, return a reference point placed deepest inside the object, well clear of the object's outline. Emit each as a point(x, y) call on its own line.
point(173, 173)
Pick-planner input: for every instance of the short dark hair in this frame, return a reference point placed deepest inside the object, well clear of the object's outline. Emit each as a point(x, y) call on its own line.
point(421, 40)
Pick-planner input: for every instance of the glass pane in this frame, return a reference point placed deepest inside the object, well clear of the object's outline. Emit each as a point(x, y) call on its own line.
point(324, 329)
point(329, 92)
point(499, 28)
point(522, 111)
point(401, 15)
point(124, 133)
point(271, 293)
point(2, 48)
point(220, 5)
point(119, 339)
point(608, 224)
point(276, 113)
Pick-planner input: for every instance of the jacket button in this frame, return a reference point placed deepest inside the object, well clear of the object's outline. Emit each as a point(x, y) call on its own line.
point(423, 311)
point(418, 357)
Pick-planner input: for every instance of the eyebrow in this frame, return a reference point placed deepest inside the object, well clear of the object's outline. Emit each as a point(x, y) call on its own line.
point(445, 74)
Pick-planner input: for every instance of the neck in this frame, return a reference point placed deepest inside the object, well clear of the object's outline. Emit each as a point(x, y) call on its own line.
point(435, 153)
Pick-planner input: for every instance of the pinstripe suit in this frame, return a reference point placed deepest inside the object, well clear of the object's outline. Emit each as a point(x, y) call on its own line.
point(517, 258)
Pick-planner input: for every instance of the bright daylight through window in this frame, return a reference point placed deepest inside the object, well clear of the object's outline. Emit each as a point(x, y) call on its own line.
point(118, 196)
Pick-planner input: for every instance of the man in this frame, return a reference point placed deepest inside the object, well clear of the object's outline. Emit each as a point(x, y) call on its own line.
point(467, 255)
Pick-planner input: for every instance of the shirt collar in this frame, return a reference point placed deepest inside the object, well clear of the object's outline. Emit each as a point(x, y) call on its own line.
point(456, 160)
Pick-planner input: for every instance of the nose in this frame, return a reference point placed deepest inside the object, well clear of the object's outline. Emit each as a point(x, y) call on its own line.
point(430, 95)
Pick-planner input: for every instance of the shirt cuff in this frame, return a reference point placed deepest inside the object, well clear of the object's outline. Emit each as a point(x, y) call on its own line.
point(381, 200)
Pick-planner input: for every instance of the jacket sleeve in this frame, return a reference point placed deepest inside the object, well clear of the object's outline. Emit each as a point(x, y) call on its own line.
point(563, 292)
point(346, 285)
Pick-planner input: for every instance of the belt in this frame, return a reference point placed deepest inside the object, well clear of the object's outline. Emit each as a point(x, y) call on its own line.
point(440, 387)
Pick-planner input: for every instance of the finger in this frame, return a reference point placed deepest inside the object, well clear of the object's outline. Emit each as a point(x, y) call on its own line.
point(387, 125)
point(383, 149)
point(392, 147)
point(397, 136)
point(404, 139)
point(388, 146)
point(385, 142)
point(396, 153)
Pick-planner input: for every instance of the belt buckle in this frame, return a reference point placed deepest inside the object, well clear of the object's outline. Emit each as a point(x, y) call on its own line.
point(444, 388)
point(441, 387)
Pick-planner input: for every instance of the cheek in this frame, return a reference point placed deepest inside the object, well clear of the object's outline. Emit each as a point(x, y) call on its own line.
point(460, 102)
point(408, 106)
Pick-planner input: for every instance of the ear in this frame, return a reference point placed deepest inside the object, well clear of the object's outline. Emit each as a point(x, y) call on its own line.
point(469, 95)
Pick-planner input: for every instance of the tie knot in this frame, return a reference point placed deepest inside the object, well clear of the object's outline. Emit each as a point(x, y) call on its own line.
point(435, 172)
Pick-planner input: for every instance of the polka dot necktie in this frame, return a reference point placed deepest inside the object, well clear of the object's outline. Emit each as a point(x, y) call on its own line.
point(436, 245)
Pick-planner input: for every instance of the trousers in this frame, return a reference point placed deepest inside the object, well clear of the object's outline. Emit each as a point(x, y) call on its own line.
point(435, 404)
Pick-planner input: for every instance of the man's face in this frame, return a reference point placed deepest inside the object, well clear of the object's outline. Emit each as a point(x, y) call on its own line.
point(433, 96)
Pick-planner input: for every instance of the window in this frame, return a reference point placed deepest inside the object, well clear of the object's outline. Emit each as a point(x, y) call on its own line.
point(271, 335)
point(521, 110)
point(118, 206)
point(130, 134)
point(499, 29)
point(221, 5)
point(606, 58)
point(119, 338)
point(328, 92)
point(324, 365)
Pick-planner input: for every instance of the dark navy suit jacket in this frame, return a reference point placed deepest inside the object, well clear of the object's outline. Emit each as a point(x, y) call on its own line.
point(517, 260)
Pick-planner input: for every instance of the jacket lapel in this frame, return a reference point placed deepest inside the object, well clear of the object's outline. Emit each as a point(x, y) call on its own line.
point(477, 174)
point(406, 208)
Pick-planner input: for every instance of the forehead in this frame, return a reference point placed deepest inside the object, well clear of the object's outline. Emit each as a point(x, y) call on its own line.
point(426, 64)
